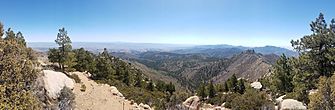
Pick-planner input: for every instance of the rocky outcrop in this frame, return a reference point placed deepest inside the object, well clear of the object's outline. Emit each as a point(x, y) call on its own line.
point(192, 103)
point(115, 91)
point(144, 106)
point(54, 82)
point(291, 104)
point(280, 99)
point(256, 85)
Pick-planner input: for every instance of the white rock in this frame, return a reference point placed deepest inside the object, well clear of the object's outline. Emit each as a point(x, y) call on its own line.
point(89, 74)
point(313, 91)
point(115, 91)
point(256, 85)
point(192, 102)
point(145, 106)
point(291, 104)
point(280, 99)
point(54, 82)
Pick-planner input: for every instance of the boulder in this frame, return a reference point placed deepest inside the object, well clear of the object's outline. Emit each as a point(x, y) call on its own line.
point(280, 99)
point(54, 82)
point(291, 104)
point(192, 103)
point(256, 85)
point(145, 106)
point(313, 91)
point(115, 91)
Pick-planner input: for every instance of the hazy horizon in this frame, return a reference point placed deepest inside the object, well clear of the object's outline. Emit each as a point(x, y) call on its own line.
point(53, 44)
point(191, 22)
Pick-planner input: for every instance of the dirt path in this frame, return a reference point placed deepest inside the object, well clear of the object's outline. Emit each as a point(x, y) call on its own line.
point(98, 96)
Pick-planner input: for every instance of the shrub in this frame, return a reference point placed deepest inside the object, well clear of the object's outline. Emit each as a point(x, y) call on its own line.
point(66, 99)
point(75, 77)
point(83, 88)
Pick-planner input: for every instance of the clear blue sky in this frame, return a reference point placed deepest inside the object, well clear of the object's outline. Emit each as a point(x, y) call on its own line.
point(236, 22)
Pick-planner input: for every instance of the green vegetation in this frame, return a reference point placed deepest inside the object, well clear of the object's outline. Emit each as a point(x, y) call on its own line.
point(129, 80)
point(66, 99)
point(216, 93)
point(282, 77)
point(75, 78)
point(251, 100)
point(85, 60)
point(17, 69)
point(235, 94)
point(106, 68)
point(313, 69)
point(63, 55)
point(83, 88)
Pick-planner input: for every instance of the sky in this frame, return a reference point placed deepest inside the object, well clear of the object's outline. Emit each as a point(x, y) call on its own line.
point(234, 22)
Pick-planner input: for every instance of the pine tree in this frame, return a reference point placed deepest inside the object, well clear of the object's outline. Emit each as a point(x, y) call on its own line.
point(317, 48)
point(232, 83)
point(64, 55)
point(225, 87)
point(161, 86)
point(211, 90)
point(138, 79)
point(150, 86)
point(104, 67)
point(170, 88)
point(202, 90)
point(282, 76)
point(241, 87)
point(316, 58)
point(85, 60)
point(126, 78)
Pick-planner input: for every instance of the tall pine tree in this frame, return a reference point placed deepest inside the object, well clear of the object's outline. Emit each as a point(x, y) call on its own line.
point(63, 55)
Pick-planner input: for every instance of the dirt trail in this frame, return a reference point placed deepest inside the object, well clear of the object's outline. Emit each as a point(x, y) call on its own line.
point(98, 96)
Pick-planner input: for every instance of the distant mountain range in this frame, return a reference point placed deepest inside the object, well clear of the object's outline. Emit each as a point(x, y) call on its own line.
point(223, 50)
point(229, 50)
point(188, 65)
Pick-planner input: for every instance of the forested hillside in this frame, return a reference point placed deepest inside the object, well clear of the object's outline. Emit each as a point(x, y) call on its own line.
point(191, 69)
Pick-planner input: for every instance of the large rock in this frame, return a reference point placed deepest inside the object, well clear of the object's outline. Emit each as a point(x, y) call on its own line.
point(145, 106)
point(115, 91)
point(291, 104)
point(256, 85)
point(54, 82)
point(280, 99)
point(192, 103)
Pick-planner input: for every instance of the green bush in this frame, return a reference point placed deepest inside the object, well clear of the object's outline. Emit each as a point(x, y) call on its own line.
point(251, 100)
point(75, 77)
point(83, 88)
point(66, 99)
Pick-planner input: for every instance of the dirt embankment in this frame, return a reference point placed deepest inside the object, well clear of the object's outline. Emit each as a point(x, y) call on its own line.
point(100, 96)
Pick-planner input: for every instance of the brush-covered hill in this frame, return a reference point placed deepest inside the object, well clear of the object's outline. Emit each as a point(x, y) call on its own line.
point(191, 69)
point(248, 65)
